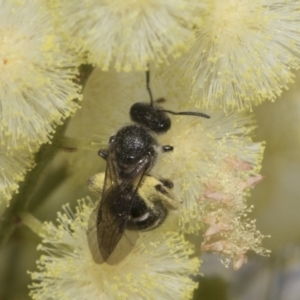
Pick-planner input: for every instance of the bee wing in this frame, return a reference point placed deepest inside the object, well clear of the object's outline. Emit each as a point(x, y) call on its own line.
point(109, 241)
point(122, 243)
point(123, 247)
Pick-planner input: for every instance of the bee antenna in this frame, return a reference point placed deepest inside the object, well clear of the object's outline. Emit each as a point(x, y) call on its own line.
point(187, 113)
point(148, 87)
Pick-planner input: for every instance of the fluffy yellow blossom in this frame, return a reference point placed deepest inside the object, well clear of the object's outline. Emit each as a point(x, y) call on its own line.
point(129, 34)
point(208, 161)
point(36, 73)
point(244, 53)
point(13, 167)
point(213, 166)
point(158, 267)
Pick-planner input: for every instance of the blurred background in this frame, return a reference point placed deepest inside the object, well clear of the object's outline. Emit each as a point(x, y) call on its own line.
point(276, 203)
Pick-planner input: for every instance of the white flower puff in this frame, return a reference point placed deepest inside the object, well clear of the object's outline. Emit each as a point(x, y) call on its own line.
point(158, 267)
point(213, 166)
point(244, 53)
point(13, 168)
point(36, 74)
point(129, 33)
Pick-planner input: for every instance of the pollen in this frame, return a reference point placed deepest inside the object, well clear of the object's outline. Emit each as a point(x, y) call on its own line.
point(13, 167)
point(214, 166)
point(159, 264)
point(36, 76)
point(130, 34)
point(244, 53)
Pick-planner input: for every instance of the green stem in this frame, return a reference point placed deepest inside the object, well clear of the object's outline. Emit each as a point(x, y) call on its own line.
point(10, 219)
point(72, 144)
point(31, 222)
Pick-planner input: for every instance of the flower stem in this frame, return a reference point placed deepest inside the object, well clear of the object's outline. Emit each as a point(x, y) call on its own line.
point(31, 222)
point(10, 218)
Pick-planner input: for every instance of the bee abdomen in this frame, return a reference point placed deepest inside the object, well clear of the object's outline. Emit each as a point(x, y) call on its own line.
point(143, 217)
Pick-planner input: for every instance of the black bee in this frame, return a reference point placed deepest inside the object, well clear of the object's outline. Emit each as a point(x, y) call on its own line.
point(131, 199)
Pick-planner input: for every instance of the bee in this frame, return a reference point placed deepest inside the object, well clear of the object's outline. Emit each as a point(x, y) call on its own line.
point(131, 199)
point(150, 204)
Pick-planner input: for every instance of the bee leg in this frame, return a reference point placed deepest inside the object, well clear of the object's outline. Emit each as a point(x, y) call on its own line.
point(95, 183)
point(167, 183)
point(166, 197)
point(103, 153)
point(153, 190)
point(161, 189)
point(160, 100)
point(167, 148)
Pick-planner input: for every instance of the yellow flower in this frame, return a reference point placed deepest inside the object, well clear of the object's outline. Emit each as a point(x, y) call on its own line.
point(244, 53)
point(129, 34)
point(13, 167)
point(211, 158)
point(213, 166)
point(36, 73)
point(158, 267)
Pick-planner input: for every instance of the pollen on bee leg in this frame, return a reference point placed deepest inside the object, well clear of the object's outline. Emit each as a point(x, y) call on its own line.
point(95, 183)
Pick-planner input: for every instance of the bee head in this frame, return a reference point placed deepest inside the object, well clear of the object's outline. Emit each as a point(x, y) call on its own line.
point(150, 116)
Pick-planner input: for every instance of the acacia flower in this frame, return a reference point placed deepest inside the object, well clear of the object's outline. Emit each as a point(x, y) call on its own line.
point(36, 74)
point(158, 267)
point(213, 167)
point(244, 53)
point(206, 162)
point(129, 34)
point(13, 168)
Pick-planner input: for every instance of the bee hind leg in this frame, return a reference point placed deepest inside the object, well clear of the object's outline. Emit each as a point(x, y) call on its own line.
point(167, 183)
point(153, 190)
